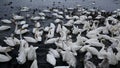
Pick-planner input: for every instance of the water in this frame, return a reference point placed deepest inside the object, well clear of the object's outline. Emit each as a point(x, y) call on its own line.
point(108, 5)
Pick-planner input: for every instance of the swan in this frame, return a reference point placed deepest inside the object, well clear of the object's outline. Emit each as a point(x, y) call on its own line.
point(37, 24)
point(54, 52)
point(50, 41)
point(60, 12)
point(59, 28)
point(62, 67)
point(51, 31)
point(17, 17)
point(38, 35)
point(55, 10)
point(102, 53)
point(25, 26)
point(51, 59)
point(34, 64)
point(92, 50)
point(42, 14)
point(75, 30)
point(94, 33)
point(47, 28)
point(42, 18)
point(46, 10)
point(21, 59)
point(78, 22)
point(104, 63)
point(5, 58)
point(30, 39)
point(57, 21)
point(22, 22)
point(24, 9)
point(31, 54)
point(89, 64)
point(68, 17)
point(36, 18)
point(75, 17)
point(6, 21)
point(10, 41)
point(69, 58)
point(20, 31)
point(5, 49)
point(88, 56)
point(4, 27)
point(69, 23)
point(111, 56)
point(94, 42)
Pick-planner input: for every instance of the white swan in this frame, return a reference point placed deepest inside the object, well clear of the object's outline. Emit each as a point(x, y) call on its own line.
point(36, 18)
point(37, 24)
point(69, 23)
point(22, 22)
point(31, 54)
point(17, 17)
point(59, 28)
point(6, 21)
point(51, 59)
point(4, 27)
point(54, 52)
point(25, 26)
point(94, 42)
point(89, 64)
point(5, 49)
point(57, 21)
point(50, 41)
point(21, 59)
point(30, 39)
point(5, 58)
point(20, 31)
point(51, 31)
point(42, 14)
point(69, 58)
point(10, 41)
point(24, 9)
point(111, 57)
point(34, 64)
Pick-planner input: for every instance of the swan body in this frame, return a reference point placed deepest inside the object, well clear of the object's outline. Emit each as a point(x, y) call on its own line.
point(69, 58)
point(17, 17)
point(59, 28)
point(30, 39)
point(42, 14)
point(10, 41)
point(89, 64)
point(54, 52)
point(36, 18)
point(52, 40)
point(4, 27)
point(22, 56)
point(5, 58)
point(24, 9)
point(51, 59)
point(34, 64)
point(25, 26)
point(69, 23)
point(5, 49)
point(6, 21)
point(31, 55)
